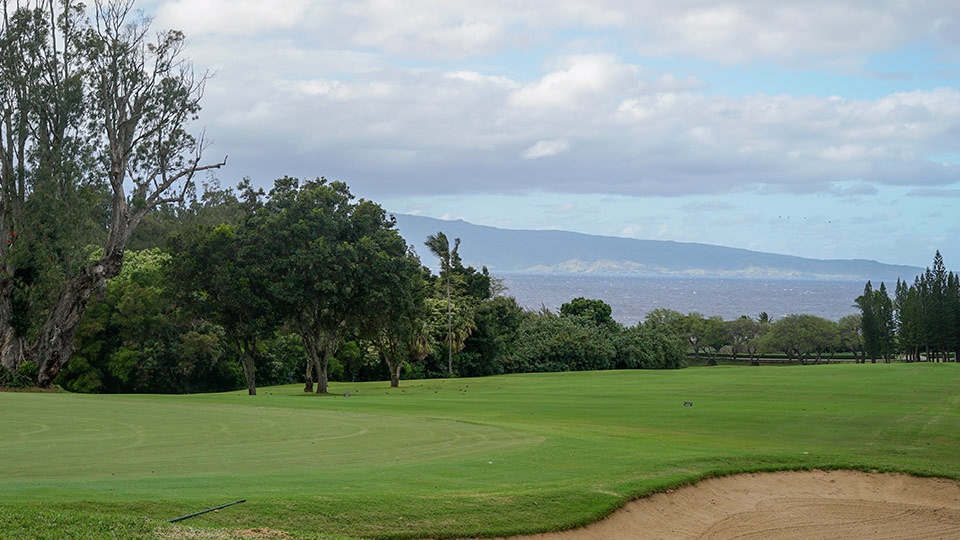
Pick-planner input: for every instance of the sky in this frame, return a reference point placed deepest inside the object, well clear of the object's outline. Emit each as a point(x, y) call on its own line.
point(820, 128)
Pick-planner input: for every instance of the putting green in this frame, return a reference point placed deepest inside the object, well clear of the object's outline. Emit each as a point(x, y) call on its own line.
point(464, 457)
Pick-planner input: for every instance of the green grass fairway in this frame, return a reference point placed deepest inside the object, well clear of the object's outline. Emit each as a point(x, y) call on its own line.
point(459, 457)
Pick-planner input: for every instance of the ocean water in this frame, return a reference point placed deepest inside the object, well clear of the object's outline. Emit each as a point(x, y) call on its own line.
point(633, 297)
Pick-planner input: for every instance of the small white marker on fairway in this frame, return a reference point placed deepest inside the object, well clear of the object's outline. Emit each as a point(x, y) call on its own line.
point(489, 463)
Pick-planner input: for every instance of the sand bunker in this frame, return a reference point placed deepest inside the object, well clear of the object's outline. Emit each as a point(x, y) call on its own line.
point(788, 505)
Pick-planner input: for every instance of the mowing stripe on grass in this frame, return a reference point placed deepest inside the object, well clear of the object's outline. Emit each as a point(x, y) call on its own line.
point(496, 455)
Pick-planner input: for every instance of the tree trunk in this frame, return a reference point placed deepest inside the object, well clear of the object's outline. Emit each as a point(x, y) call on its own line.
point(55, 344)
point(248, 355)
point(395, 376)
point(330, 346)
point(249, 372)
point(308, 377)
point(309, 342)
point(312, 364)
point(322, 376)
point(320, 343)
point(392, 368)
point(11, 345)
point(316, 368)
point(13, 350)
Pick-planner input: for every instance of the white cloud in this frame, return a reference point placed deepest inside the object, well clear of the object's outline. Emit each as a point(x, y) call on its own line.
point(544, 149)
point(232, 17)
point(458, 97)
point(743, 31)
point(578, 78)
point(734, 31)
point(843, 152)
point(464, 125)
point(947, 30)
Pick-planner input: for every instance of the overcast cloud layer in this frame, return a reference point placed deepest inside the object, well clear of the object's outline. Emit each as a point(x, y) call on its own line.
point(816, 128)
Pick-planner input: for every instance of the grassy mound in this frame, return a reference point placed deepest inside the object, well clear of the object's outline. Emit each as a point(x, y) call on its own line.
point(447, 458)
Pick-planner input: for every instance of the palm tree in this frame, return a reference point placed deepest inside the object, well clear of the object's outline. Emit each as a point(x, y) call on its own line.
point(440, 247)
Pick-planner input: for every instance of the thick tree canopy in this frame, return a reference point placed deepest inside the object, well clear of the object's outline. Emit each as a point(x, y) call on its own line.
point(333, 263)
point(597, 311)
point(802, 337)
point(221, 275)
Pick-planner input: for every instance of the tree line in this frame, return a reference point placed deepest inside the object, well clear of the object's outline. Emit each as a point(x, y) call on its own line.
point(238, 287)
point(921, 321)
point(801, 338)
point(307, 284)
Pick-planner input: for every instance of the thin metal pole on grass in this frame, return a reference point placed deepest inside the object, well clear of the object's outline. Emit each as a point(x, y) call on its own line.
point(181, 518)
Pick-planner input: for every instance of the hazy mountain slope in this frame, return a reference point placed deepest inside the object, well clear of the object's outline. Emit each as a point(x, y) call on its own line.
point(504, 250)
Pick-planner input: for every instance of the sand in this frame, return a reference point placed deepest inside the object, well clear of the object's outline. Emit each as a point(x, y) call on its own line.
point(787, 505)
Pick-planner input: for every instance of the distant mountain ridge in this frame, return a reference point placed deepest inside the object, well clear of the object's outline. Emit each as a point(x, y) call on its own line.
point(563, 252)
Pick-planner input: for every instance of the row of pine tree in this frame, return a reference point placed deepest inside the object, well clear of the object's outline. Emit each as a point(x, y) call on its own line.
point(921, 321)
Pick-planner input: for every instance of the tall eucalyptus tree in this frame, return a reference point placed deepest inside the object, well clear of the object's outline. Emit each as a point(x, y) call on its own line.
point(93, 137)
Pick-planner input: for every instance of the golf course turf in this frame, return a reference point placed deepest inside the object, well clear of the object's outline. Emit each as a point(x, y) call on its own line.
point(453, 457)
